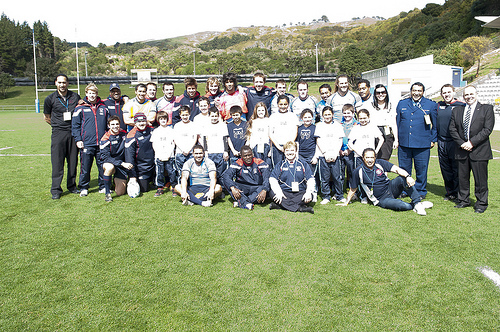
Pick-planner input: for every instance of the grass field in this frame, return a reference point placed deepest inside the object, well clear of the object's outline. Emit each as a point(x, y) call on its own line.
point(80, 264)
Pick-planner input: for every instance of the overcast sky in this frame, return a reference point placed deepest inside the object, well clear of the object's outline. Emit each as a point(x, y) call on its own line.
point(123, 21)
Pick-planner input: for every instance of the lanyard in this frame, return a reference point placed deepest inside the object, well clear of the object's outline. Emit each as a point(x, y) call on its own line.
point(65, 106)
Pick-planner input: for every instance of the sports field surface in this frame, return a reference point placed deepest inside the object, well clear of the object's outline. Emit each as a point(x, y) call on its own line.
point(151, 264)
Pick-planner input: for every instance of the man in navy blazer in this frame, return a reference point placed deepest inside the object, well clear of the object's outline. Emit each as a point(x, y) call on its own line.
point(416, 120)
point(471, 130)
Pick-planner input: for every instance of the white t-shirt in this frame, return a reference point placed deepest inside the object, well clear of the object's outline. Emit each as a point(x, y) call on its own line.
point(185, 136)
point(260, 132)
point(163, 142)
point(362, 137)
point(283, 127)
point(329, 138)
point(215, 134)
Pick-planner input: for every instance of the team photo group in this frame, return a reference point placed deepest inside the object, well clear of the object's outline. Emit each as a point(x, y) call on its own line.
point(261, 144)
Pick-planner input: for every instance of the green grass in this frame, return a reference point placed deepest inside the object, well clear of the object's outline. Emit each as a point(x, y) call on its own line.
point(80, 264)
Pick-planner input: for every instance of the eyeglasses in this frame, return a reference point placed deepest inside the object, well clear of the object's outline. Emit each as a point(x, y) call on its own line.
point(381, 92)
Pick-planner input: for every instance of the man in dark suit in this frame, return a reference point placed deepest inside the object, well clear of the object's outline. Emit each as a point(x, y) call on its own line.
point(470, 127)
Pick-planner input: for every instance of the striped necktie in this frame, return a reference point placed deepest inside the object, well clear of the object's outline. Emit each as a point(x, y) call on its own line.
point(467, 122)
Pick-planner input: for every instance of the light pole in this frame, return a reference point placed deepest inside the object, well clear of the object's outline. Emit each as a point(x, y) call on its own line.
point(37, 101)
point(86, 73)
point(317, 66)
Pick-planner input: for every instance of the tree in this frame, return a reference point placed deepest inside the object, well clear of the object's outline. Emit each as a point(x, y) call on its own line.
point(47, 69)
point(6, 81)
point(325, 19)
point(353, 61)
point(474, 47)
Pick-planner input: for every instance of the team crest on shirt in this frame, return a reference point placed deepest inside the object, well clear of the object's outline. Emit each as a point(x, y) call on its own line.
point(305, 134)
point(238, 133)
point(379, 172)
point(299, 168)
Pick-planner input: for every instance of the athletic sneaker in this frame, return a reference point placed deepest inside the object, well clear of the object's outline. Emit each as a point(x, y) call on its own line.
point(235, 204)
point(84, 193)
point(102, 191)
point(187, 202)
point(325, 201)
point(108, 198)
point(159, 192)
point(249, 206)
point(342, 200)
point(364, 200)
point(315, 197)
point(419, 208)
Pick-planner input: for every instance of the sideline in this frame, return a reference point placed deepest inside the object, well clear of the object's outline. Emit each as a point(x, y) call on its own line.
point(490, 274)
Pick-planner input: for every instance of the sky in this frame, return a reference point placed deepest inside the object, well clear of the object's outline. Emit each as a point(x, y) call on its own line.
point(124, 21)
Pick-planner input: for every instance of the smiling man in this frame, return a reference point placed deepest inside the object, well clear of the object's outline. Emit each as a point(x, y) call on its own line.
point(115, 102)
point(470, 127)
point(342, 95)
point(139, 104)
point(372, 178)
point(259, 92)
point(416, 118)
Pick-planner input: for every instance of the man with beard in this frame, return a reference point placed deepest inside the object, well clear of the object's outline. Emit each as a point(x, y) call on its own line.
point(342, 95)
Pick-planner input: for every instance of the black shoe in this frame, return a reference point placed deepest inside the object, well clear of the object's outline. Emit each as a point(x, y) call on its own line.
point(478, 210)
point(306, 209)
point(56, 196)
point(450, 198)
point(74, 191)
point(274, 206)
point(462, 205)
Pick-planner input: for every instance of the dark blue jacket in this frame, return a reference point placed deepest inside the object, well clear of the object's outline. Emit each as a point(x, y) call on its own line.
point(185, 100)
point(413, 132)
point(89, 122)
point(113, 148)
point(115, 108)
point(254, 96)
point(139, 151)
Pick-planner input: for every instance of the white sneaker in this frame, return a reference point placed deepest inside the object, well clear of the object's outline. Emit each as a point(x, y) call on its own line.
point(315, 197)
point(427, 204)
point(419, 208)
point(102, 191)
point(207, 203)
point(84, 193)
point(235, 204)
point(343, 200)
point(187, 202)
point(325, 201)
point(364, 200)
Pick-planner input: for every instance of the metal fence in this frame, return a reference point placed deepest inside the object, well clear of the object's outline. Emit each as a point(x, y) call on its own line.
point(28, 108)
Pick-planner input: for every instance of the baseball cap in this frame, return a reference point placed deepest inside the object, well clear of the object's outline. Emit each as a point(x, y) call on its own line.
point(114, 86)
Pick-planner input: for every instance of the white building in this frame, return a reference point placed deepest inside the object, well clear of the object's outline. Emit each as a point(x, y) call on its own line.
point(399, 77)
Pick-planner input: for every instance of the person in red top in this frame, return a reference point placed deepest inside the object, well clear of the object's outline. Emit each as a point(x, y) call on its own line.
point(232, 96)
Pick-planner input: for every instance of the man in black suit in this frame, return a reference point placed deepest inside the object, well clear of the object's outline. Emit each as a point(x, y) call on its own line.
point(470, 127)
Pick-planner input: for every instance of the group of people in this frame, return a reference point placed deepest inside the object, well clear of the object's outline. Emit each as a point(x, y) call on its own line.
point(259, 142)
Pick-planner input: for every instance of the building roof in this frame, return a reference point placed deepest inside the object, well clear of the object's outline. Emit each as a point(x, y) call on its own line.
point(490, 21)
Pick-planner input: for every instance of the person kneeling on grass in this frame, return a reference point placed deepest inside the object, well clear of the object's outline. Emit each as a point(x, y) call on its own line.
point(199, 180)
point(247, 180)
point(371, 177)
point(112, 147)
point(292, 182)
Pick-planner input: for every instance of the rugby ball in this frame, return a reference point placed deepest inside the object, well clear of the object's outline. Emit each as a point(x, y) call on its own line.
point(133, 189)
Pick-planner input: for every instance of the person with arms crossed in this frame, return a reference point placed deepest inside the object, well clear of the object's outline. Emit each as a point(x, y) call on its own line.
point(372, 178)
point(470, 127)
point(57, 112)
point(416, 121)
point(139, 104)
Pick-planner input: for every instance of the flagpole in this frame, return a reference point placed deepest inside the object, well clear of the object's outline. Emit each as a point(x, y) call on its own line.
point(37, 101)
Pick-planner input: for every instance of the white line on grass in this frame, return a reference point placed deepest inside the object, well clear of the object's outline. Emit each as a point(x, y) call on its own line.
point(7, 130)
point(24, 155)
point(8, 147)
point(490, 274)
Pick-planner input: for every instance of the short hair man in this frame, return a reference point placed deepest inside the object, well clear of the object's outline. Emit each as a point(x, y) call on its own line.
point(151, 91)
point(416, 121)
point(304, 100)
point(446, 145)
point(325, 91)
point(371, 177)
point(57, 112)
point(139, 104)
point(88, 125)
point(199, 180)
point(167, 102)
point(342, 95)
point(259, 92)
point(115, 102)
point(364, 92)
point(471, 127)
point(189, 98)
point(247, 179)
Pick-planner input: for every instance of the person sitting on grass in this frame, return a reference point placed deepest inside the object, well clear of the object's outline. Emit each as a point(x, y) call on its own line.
point(247, 180)
point(381, 191)
point(199, 180)
point(292, 182)
point(112, 147)
point(139, 152)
